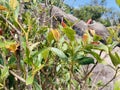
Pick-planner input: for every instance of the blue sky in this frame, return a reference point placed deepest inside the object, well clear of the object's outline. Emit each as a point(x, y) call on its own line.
point(77, 3)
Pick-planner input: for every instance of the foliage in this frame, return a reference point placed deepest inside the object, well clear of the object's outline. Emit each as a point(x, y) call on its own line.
point(87, 12)
point(35, 56)
point(118, 2)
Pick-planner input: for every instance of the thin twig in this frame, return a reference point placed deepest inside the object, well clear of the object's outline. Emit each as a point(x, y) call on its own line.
point(14, 74)
point(87, 75)
point(18, 32)
point(92, 67)
point(18, 77)
point(111, 79)
point(90, 71)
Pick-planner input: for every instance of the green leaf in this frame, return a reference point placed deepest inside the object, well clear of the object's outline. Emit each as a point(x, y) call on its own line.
point(50, 37)
point(36, 86)
point(29, 79)
point(37, 62)
point(114, 58)
point(37, 69)
point(85, 60)
point(96, 55)
point(27, 52)
point(42, 29)
point(70, 33)
point(2, 44)
point(23, 42)
point(12, 62)
point(102, 47)
point(97, 38)
point(4, 73)
point(118, 2)
point(58, 52)
point(45, 53)
point(116, 54)
point(16, 13)
point(117, 85)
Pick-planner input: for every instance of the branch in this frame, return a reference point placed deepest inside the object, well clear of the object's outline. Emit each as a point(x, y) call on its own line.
point(18, 77)
point(18, 32)
point(111, 79)
point(14, 74)
point(90, 71)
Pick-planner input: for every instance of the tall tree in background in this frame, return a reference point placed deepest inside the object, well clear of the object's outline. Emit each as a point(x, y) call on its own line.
point(95, 9)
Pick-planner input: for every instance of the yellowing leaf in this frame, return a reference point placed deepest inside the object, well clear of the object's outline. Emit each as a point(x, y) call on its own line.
point(56, 34)
point(85, 38)
point(12, 47)
point(13, 4)
point(92, 32)
point(2, 7)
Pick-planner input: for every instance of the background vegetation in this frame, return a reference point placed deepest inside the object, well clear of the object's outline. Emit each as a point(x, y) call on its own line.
point(34, 56)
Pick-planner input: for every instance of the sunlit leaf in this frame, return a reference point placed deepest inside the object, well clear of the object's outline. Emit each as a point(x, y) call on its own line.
point(50, 37)
point(56, 34)
point(70, 33)
point(4, 73)
point(16, 13)
point(13, 4)
point(58, 52)
point(114, 58)
point(26, 0)
point(37, 69)
point(96, 55)
point(96, 37)
point(101, 46)
point(116, 54)
point(45, 53)
point(2, 44)
point(29, 79)
point(34, 1)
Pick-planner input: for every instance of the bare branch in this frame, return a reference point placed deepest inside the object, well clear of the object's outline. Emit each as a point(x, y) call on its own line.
point(14, 74)
point(110, 79)
point(18, 32)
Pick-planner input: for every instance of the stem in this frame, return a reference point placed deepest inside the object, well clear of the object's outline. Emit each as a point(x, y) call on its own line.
point(87, 75)
point(14, 74)
point(18, 32)
point(71, 72)
point(110, 80)
point(90, 71)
